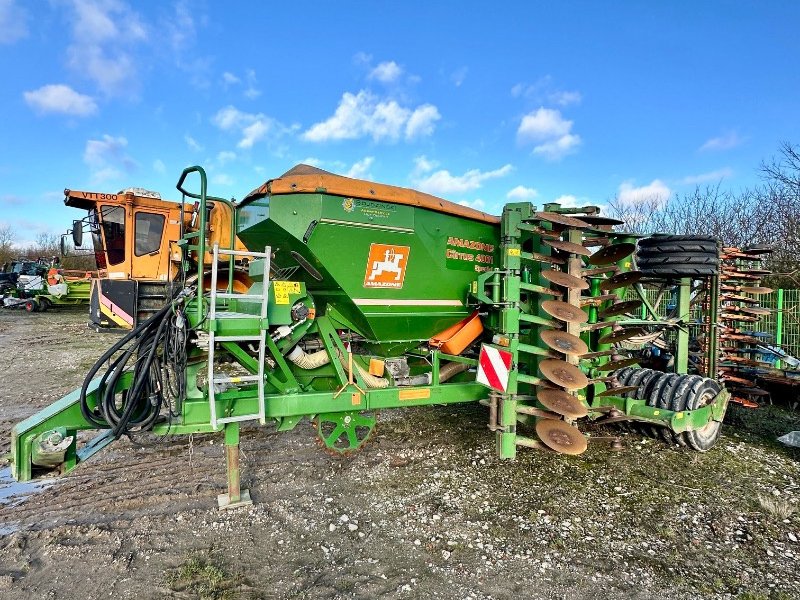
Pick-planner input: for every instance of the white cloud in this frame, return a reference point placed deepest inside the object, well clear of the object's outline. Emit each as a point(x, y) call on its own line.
point(360, 169)
point(104, 35)
point(423, 165)
point(251, 92)
point(159, 166)
point(230, 79)
point(99, 152)
point(443, 182)
point(226, 156)
point(363, 114)
point(107, 158)
point(477, 204)
point(564, 98)
point(550, 131)
point(222, 179)
point(544, 90)
point(723, 142)
point(711, 176)
point(362, 58)
point(252, 127)
point(422, 121)
point(13, 22)
point(656, 190)
point(568, 201)
point(193, 144)
point(386, 72)
point(59, 98)
point(458, 76)
point(182, 28)
point(522, 193)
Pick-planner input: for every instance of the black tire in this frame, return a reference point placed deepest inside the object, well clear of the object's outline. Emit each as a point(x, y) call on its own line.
point(44, 304)
point(660, 238)
point(703, 439)
point(31, 305)
point(646, 386)
point(636, 379)
point(652, 400)
point(622, 375)
point(680, 395)
point(679, 271)
point(665, 402)
point(703, 247)
point(681, 258)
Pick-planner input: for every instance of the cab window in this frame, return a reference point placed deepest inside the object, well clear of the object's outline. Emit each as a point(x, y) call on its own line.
point(114, 233)
point(149, 228)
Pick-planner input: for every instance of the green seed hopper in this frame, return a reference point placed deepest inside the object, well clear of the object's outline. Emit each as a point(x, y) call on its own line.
point(368, 296)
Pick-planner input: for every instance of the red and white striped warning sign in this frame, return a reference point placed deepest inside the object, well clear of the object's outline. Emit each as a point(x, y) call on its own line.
point(493, 368)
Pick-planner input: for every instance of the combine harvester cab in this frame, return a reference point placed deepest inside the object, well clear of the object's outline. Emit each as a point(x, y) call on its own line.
point(135, 237)
point(366, 296)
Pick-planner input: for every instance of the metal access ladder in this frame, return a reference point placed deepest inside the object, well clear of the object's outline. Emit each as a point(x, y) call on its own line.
point(213, 315)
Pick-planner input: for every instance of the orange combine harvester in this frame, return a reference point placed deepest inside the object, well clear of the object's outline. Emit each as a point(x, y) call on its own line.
point(136, 238)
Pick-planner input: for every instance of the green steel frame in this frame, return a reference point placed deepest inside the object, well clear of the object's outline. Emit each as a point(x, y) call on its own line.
point(511, 293)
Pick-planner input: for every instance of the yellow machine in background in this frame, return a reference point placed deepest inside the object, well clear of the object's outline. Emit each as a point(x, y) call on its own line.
point(135, 236)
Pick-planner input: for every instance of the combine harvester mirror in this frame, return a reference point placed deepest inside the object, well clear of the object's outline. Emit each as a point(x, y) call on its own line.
point(366, 296)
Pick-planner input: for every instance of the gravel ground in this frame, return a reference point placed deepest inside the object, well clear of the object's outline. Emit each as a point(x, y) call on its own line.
point(425, 510)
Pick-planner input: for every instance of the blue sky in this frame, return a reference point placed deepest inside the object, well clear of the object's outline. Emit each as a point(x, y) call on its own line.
point(477, 102)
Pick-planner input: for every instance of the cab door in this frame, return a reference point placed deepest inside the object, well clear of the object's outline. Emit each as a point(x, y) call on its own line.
point(149, 262)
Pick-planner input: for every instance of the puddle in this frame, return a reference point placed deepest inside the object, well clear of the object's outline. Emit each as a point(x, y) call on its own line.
point(13, 492)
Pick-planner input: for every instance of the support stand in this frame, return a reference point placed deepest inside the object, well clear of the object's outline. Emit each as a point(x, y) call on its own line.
point(236, 497)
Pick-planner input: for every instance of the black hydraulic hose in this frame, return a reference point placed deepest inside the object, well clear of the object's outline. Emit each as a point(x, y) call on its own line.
point(141, 377)
point(86, 411)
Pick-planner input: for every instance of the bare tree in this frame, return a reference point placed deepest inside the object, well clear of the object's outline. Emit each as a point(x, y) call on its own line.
point(7, 237)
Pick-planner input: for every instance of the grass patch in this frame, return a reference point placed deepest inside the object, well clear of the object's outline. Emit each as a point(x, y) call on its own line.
point(779, 508)
point(204, 579)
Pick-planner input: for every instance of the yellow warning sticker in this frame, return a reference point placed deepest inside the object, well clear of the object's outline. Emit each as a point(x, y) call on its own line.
point(414, 394)
point(282, 290)
point(513, 251)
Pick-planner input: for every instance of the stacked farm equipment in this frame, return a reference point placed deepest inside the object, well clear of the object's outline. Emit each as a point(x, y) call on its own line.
point(364, 296)
point(35, 286)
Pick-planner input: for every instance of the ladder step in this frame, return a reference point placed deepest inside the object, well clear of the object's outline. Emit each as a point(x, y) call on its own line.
point(238, 419)
point(225, 314)
point(239, 296)
point(243, 253)
point(238, 338)
point(239, 379)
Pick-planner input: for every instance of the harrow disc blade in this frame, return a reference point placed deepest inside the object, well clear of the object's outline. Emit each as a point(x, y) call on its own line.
point(601, 221)
point(569, 247)
point(756, 310)
point(620, 308)
point(621, 280)
point(621, 335)
point(755, 290)
point(562, 402)
point(618, 364)
point(564, 312)
point(612, 254)
point(560, 219)
point(561, 437)
point(618, 391)
point(564, 374)
point(564, 342)
point(565, 280)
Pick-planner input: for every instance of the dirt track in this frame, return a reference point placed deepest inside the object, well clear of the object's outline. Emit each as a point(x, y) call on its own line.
point(426, 510)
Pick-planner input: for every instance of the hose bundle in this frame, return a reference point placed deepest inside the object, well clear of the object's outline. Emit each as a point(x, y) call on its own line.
point(158, 349)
